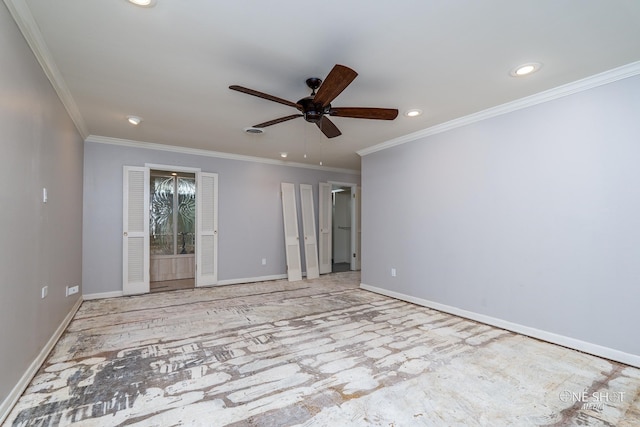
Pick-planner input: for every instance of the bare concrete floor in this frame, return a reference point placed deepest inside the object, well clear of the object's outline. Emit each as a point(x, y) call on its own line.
point(312, 353)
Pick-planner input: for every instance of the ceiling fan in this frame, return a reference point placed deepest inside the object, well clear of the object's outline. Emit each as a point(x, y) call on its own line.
point(316, 107)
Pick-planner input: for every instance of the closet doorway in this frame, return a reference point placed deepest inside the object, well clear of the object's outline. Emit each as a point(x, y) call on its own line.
point(172, 230)
point(341, 232)
point(339, 227)
point(136, 224)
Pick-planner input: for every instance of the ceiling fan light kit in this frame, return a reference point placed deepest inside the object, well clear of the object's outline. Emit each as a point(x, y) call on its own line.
point(316, 107)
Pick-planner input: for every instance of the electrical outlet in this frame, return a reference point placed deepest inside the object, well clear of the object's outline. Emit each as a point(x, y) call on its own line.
point(45, 291)
point(264, 261)
point(72, 290)
point(393, 272)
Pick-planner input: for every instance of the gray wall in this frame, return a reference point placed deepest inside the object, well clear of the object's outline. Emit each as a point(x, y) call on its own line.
point(532, 217)
point(250, 211)
point(40, 243)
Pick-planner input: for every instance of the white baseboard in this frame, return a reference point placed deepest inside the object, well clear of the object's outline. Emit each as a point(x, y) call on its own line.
point(251, 279)
point(115, 294)
point(586, 347)
point(102, 295)
point(12, 398)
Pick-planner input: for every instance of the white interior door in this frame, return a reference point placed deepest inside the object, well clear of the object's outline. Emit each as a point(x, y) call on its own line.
point(309, 231)
point(206, 229)
point(135, 230)
point(291, 237)
point(355, 228)
point(324, 225)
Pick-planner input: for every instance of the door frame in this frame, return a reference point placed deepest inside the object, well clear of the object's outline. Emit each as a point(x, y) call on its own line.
point(169, 168)
point(163, 167)
point(199, 280)
point(355, 246)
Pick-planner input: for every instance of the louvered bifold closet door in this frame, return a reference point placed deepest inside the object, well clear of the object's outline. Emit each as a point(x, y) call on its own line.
point(207, 229)
point(324, 226)
point(291, 237)
point(135, 231)
point(309, 231)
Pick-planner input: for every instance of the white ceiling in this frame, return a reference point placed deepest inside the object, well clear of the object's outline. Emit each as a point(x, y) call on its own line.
point(172, 64)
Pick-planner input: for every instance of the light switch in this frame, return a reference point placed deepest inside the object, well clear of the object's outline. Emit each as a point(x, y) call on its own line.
point(44, 195)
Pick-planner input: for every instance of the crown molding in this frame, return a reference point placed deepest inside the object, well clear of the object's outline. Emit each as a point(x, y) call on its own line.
point(587, 83)
point(208, 153)
point(27, 25)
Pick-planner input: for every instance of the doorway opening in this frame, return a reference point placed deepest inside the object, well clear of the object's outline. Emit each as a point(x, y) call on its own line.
point(341, 223)
point(172, 230)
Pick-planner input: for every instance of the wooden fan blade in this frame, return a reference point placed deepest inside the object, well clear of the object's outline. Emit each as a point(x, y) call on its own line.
point(338, 79)
point(328, 128)
point(365, 113)
point(265, 96)
point(276, 121)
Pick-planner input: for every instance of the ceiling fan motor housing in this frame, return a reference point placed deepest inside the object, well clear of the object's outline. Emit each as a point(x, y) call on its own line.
point(312, 112)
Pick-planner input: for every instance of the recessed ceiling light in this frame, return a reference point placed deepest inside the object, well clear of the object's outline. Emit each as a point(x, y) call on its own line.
point(283, 155)
point(413, 113)
point(134, 120)
point(525, 69)
point(143, 3)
